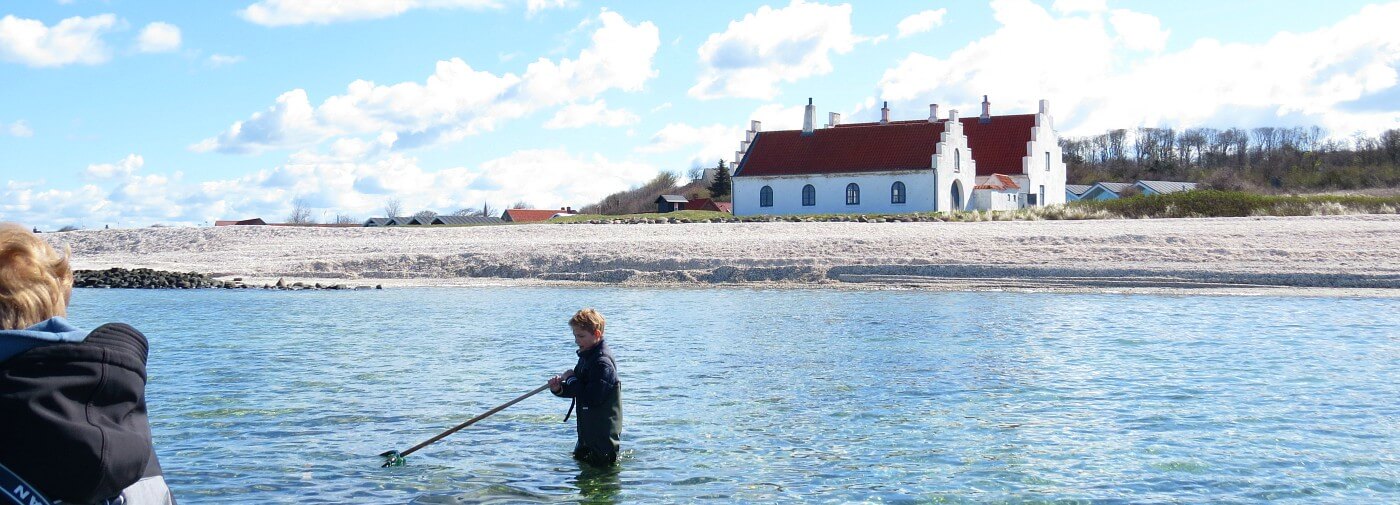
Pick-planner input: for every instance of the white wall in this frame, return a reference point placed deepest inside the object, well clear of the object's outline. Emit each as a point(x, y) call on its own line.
point(950, 172)
point(831, 193)
point(991, 199)
point(1044, 140)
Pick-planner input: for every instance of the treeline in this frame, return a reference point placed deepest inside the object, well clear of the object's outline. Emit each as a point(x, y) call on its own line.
point(636, 200)
point(1258, 159)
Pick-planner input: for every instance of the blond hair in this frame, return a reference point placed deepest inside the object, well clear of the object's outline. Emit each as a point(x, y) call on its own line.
point(35, 280)
point(588, 320)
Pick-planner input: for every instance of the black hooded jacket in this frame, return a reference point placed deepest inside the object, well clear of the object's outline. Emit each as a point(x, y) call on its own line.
point(599, 397)
point(73, 418)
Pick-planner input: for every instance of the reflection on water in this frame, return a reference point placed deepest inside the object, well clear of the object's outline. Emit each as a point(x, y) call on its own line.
point(740, 395)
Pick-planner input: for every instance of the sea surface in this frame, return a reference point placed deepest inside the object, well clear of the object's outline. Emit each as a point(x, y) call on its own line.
point(755, 395)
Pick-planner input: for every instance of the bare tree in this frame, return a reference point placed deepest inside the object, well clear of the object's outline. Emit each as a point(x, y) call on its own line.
point(696, 171)
point(466, 211)
point(393, 207)
point(301, 212)
point(520, 205)
point(486, 209)
point(345, 219)
point(426, 214)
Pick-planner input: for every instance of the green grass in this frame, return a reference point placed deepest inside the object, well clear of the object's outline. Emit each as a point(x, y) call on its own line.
point(1201, 203)
point(1212, 203)
point(693, 215)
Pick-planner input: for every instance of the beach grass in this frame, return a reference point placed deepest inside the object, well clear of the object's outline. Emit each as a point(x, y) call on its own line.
point(1187, 204)
point(1213, 203)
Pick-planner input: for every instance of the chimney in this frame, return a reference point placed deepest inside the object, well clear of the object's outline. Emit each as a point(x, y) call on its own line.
point(1044, 106)
point(885, 114)
point(809, 117)
point(933, 113)
point(986, 110)
point(833, 119)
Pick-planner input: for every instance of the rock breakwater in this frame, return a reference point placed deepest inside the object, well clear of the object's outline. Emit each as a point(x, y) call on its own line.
point(146, 278)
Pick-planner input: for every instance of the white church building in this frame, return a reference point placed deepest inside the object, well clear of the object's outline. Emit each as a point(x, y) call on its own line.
point(938, 164)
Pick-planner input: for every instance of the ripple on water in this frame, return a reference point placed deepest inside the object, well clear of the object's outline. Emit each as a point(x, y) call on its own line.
point(751, 395)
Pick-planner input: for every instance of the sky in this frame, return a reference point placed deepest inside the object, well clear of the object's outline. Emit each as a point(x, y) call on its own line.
point(133, 113)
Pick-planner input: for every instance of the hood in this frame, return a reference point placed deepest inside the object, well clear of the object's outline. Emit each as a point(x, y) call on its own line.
point(50, 331)
point(74, 419)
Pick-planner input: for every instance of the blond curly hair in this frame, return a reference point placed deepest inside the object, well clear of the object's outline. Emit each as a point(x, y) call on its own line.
point(35, 280)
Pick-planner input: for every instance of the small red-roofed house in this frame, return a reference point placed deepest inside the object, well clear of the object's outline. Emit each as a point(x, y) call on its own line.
point(707, 204)
point(533, 215)
point(889, 167)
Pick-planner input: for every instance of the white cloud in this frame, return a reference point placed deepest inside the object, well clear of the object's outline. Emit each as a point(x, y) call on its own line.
point(300, 12)
point(219, 60)
point(124, 168)
point(1073, 6)
point(533, 7)
point(19, 128)
point(543, 177)
point(771, 46)
point(159, 37)
point(1138, 31)
point(289, 122)
point(455, 101)
point(596, 113)
point(73, 40)
point(708, 144)
point(921, 22)
point(1336, 77)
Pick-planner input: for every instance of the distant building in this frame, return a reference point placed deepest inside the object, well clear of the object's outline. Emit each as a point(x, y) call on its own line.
point(1073, 192)
point(707, 204)
point(240, 222)
point(534, 215)
point(377, 221)
point(670, 203)
point(465, 220)
point(888, 166)
point(1164, 187)
point(1106, 191)
point(996, 192)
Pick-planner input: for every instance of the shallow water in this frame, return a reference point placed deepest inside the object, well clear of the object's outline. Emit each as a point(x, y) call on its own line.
point(774, 395)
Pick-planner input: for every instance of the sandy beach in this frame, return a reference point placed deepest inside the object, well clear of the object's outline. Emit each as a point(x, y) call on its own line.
point(1345, 253)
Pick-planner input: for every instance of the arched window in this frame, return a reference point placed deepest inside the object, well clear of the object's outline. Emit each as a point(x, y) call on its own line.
point(852, 194)
point(765, 197)
point(957, 161)
point(897, 192)
point(809, 195)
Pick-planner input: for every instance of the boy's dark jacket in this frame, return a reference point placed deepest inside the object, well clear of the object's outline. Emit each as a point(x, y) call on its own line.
point(74, 419)
point(599, 397)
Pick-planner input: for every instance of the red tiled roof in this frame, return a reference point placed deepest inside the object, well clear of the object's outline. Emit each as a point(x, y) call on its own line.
point(707, 204)
point(529, 215)
point(998, 181)
point(997, 146)
point(725, 206)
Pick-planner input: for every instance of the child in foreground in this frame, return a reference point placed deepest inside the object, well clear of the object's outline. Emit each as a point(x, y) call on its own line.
point(593, 385)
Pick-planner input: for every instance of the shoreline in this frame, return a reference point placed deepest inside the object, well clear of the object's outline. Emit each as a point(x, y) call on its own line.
point(1340, 255)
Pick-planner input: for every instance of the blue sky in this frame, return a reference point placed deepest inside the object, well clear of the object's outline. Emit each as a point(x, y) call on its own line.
point(129, 113)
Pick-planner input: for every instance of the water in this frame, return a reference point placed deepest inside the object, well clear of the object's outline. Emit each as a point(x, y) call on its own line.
point(739, 395)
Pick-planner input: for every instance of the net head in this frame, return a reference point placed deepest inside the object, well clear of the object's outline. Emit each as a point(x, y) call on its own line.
point(392, 458)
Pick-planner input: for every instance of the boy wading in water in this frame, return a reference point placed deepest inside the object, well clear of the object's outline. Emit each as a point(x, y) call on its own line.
point(596, 391)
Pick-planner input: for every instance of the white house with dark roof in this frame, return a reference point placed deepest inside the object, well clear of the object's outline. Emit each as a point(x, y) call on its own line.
point(923, 165)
